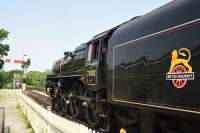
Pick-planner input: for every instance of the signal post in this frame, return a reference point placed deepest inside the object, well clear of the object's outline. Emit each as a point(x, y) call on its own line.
point(25, 62)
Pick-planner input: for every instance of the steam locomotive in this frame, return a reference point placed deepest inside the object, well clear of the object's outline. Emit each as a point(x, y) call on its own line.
point(141, 76)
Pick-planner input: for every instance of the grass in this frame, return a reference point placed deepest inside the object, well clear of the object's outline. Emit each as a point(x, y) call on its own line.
point(24, 119)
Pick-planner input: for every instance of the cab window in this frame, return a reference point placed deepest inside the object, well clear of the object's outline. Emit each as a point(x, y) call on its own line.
point(93, 51)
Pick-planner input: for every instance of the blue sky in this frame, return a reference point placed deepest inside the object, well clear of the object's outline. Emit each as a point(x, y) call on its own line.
point(44, 29)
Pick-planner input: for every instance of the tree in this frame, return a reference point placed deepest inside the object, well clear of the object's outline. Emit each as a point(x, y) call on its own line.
point(6, 78)
point(4, 48)
point(36, 78)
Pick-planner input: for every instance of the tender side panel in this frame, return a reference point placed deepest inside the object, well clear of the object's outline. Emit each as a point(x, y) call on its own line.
point(140, 68)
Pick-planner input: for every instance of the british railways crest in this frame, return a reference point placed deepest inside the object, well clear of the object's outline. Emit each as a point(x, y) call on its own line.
point(180, 70)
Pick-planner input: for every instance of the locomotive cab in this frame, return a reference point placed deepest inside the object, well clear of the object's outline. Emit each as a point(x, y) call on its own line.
point(95, 76)
point(92, 63)
point(95, 62)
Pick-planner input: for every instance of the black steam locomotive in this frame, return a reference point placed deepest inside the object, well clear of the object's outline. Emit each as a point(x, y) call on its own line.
point(142, 76)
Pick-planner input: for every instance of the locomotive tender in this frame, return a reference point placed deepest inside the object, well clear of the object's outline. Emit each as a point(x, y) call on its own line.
point(141, 76)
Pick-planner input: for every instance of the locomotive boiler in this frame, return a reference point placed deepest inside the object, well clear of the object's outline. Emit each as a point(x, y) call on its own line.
point(141, 76)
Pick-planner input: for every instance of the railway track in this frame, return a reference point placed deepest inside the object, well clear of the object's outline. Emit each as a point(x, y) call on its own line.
point(40, 97)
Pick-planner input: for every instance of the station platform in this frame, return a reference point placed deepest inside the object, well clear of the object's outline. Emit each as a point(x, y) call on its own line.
point(2, 119)
point(41, 119)
point(13, 122)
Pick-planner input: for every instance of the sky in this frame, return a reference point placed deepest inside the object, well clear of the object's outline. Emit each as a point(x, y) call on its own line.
point(44, 29)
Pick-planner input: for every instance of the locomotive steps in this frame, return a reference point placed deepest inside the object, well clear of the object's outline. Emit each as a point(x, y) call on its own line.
point(44, 121)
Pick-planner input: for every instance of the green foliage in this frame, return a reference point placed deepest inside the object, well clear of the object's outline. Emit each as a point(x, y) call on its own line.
point(4, 48)
point(36, 79)
point(24, 118)
point(6, 78)
point(33, 78)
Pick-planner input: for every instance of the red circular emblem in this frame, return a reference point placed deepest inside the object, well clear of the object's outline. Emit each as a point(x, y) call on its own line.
point(179, 83)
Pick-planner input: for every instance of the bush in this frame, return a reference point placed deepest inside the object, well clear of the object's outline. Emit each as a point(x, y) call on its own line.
point(36, 79)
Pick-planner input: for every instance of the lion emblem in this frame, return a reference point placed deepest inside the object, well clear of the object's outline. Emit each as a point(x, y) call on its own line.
point(176, 60)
